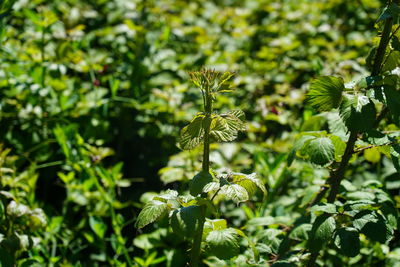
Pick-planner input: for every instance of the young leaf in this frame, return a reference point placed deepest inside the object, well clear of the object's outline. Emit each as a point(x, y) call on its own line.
point(192, 135)
point(224, 244)
point(348, 241)
point(199, 181)
point(185, 221)
point(235, 192)
point(151, 212)
point(325, 93)
point(321, 151)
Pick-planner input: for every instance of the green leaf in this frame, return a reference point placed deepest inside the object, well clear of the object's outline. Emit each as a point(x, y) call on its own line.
point(393, 103)
point(235, 192)
point(325, 93)
point(324, 207)
point(321, 151)
point(348, 241)
point(224, 244)
point(358, 113)
point(199, 181)
point(373, 225)
point(301, 232)
point(390, 11)
point(250, 182)
point(225, 127)
point(192, 135)
point(98, 226)
point(395, 155)
point(298, 145)
point(185, 221)
point(151, 212)
point(392, 61)
point(321, 231)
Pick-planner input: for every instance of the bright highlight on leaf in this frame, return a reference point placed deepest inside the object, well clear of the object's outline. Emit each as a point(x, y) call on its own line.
point(325, 93)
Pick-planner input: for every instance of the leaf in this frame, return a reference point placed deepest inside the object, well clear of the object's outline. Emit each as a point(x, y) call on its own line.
point(199, 181)
point(325, 93)
point(301, 232)
point(395, 155)
point(98, 226)
point(250, 182)
point(392, 61)
point(324, 207)
point(373, 225)
point(358, 113)
point(192, 135)
point(321, 151)
point(224, 244)
point(185, 221)
point(348, 241)
point(321, 232)
point(390, 11)
point(225, 127)
point(235, 192)
point(372, 155)
point(393, 103)
point(151, 212)
point(298, 145)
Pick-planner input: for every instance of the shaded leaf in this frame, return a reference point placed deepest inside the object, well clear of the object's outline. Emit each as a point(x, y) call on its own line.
point(185, 221)
point(199, 181)
point(348, 241)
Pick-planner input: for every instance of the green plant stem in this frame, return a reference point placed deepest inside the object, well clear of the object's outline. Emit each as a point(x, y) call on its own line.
point(196, 247)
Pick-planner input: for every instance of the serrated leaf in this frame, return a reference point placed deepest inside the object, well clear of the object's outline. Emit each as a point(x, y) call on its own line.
point(250, 182)
point(235, 192)
point(348, 241)
point(224, 244)
point(358, 113)
point(185, 221)
point(192, 134)
point(321, 151)
point(325, 93)
point(321, 231)
point(225, 127)
point(339, 145)
point(151, 212)
point(199, 181)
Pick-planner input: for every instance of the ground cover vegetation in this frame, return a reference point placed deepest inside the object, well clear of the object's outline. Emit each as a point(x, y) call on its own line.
point(199, 133)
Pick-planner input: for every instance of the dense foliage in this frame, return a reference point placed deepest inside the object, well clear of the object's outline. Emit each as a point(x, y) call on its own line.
point(105, 159)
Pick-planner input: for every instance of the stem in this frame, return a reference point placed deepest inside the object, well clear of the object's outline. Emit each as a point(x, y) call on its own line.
point(337, 175)
point(196, 247)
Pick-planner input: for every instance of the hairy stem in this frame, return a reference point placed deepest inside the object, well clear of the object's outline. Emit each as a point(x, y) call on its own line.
point(196, 247)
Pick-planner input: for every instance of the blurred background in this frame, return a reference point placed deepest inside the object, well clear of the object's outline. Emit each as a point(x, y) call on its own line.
point(95, 92)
